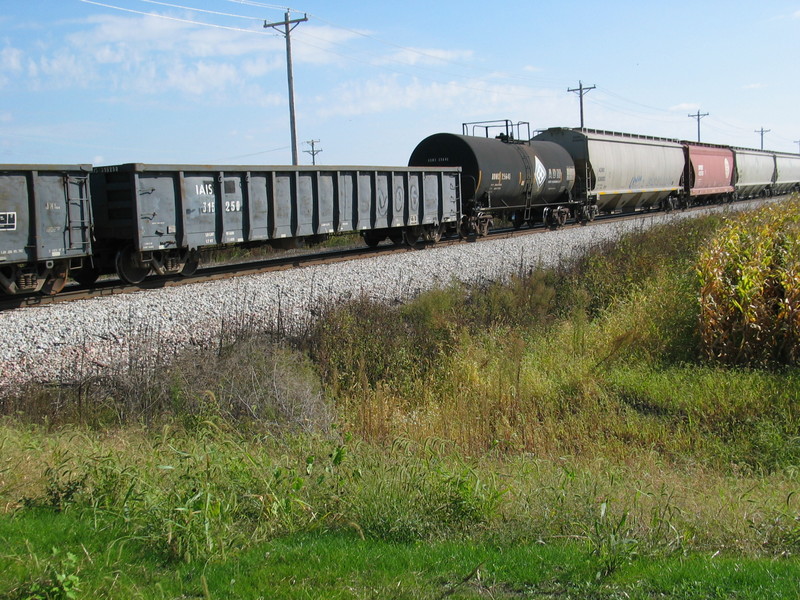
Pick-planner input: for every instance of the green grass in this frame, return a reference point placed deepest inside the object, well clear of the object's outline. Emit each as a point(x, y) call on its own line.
point(344, 565)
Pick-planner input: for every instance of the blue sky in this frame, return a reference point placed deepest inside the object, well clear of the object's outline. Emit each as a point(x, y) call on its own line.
point(202, 81)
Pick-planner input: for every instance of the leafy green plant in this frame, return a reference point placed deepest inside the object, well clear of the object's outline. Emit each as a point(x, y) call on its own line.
point(59, 581)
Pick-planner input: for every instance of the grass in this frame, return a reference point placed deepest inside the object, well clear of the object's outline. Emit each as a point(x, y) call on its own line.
point(344, 565)
point(561, 435)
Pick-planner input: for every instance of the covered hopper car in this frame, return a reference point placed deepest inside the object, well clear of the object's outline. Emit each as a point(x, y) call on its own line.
point(708, 173)
point(621, 172)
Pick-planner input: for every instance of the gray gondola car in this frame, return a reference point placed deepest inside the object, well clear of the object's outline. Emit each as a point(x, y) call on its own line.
point(45, 226)
point(511, 179)
point(620, 171)
point(160, 217)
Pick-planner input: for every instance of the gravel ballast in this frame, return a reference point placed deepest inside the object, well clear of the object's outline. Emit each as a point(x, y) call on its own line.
point(69, 341)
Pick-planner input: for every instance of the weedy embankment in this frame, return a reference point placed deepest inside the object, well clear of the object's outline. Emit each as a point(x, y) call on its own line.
point(641, 402)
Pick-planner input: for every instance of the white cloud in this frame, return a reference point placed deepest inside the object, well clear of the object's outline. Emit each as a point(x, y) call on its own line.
point(145, 56)
point(390, 93)
point(753, 86)
point(11, 59)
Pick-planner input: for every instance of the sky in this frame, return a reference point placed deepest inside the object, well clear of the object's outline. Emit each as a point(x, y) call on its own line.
point(204, 82)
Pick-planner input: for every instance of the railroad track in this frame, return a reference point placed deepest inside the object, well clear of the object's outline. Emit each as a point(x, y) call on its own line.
point(112, 287)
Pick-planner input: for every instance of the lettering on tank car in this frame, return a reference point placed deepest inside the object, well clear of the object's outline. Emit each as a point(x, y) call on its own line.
point(52, 229)
point(13, 251)
point(554, 175)
point(233, 206)
point(8, 221)
point(501, 176)
point(701, 171)
point(52, 206)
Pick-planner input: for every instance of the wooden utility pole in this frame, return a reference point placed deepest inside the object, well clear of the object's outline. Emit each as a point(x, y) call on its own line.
point(288, 25)
point(698, 116)
point(582, 91)
point(762, 131)
point(313, 152)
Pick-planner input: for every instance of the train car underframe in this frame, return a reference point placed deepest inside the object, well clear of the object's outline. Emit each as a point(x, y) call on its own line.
point(47, 277)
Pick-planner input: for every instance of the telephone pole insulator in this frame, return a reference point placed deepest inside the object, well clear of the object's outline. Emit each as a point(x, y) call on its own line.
point(287, 26)
point(581, 91)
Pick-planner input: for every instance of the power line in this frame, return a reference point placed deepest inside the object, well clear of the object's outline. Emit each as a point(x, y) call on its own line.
point(200, 10)
point(168, 18)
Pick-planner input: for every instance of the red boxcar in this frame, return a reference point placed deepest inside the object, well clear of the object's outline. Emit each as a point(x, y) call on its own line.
point(708, 172)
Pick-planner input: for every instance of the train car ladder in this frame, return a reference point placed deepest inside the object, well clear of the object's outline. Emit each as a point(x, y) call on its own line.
point(526, 161)
point(78, 229)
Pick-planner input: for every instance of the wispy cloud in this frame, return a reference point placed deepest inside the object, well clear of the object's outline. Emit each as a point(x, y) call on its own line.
point(425, 56)
point(753, 86)
point(150, 56)
point(685, 106)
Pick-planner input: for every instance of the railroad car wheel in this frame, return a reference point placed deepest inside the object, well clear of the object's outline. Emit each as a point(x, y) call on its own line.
point(413, 236)
point(190, 268)
point(396, 236)
point(373, 238)
point(129, 267)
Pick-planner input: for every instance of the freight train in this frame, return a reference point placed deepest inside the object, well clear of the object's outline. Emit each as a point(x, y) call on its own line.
point(77, 221)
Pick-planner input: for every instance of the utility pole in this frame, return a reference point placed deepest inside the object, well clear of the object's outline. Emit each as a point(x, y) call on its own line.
point(313, 152)
point(582, 91)
point(288, 25)
point(762, 131)
point(698, 116)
